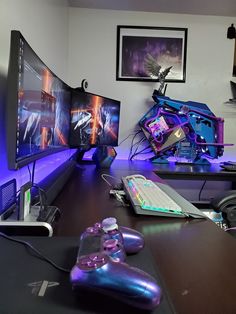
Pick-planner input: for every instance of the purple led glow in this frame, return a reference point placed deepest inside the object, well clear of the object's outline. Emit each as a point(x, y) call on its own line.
point(43, 168)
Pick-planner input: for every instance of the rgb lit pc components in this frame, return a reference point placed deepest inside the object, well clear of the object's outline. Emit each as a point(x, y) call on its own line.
point(180, 129)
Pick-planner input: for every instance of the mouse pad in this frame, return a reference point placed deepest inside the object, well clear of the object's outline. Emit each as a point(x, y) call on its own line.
point(30, 285)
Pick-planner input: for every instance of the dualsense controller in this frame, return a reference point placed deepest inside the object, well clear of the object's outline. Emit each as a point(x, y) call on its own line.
point(132, 240)
point(100, 267)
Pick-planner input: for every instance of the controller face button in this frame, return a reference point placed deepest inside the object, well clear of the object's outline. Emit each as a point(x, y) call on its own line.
point(91, 230)
point(98, 225)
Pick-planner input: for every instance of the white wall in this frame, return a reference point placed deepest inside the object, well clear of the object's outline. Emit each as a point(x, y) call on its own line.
point(44, 24)
point(92, 55)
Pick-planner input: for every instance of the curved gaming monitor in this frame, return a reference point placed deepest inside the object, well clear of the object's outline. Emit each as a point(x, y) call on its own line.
point(38, 106)
point(94, 120)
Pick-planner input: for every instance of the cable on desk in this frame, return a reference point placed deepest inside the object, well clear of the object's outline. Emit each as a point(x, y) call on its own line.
point(199, 195)
point(40, 255)
point(31, 174)
point(103, 175)
point(229, 229)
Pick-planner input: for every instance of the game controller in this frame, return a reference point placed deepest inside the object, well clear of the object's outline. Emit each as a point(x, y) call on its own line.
point(132, 240)
point(93, 242)
point(99, 268)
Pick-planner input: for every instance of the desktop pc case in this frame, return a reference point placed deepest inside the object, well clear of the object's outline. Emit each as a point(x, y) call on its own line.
point(184, 130)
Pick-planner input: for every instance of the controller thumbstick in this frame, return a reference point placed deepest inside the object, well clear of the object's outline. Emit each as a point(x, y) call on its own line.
point(114, 249)
point(109, 224)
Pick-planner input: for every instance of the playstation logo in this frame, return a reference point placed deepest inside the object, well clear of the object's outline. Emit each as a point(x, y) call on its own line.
point(39, 287)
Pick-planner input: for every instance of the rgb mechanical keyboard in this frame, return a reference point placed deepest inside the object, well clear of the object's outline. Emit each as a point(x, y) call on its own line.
point(158, 199)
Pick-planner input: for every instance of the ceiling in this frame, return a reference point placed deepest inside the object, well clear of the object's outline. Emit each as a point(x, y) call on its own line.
point(199, 7)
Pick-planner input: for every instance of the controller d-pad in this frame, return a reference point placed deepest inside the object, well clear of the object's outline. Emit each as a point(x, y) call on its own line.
point(97, 257)
point(92, 261)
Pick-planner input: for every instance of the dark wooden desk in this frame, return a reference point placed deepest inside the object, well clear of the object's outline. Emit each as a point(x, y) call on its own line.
point(195, 257)
point(211, 172)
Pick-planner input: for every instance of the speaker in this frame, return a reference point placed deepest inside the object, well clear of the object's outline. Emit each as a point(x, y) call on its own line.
point(8, 201)
point(55, 181)
point(104, 156)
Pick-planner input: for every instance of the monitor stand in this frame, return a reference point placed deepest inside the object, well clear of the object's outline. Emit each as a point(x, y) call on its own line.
point(80, 156)
point(104, 156)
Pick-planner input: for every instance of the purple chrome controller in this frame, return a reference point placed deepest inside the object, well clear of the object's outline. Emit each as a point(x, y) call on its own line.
point(93, 241)
point(98, 271)
point(132, 240)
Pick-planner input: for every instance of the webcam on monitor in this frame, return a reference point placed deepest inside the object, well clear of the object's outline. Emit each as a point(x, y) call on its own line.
point(83, 87)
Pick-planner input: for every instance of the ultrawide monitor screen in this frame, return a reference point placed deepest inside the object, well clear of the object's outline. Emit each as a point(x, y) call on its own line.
point(38, 106)
point(94, 120)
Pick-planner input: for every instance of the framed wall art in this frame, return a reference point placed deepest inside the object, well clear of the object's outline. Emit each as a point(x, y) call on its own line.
point(165, 46)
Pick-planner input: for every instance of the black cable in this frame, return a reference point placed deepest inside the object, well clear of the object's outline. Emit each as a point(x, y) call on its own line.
point(138, 143)
point(42, 195)
point(33, 170)
point(140, 152)
point(29, 173)
point(40, 255)
point(199, 195)
point(128, 137)
point(131, 146)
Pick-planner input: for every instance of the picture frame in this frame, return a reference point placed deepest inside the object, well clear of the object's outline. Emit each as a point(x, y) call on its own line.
point(167, 45)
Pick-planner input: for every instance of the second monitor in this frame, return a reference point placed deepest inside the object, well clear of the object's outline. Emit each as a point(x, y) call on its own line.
point(94, 120)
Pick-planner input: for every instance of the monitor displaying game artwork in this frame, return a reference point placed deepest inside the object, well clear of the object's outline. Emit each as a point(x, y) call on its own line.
point(94, 120)
point(38, 106)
